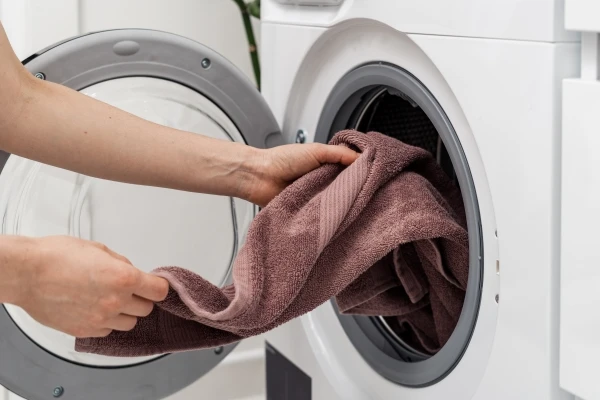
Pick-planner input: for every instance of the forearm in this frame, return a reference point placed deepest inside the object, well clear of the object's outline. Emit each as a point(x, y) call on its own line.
point(16, 263)
point(64, 128)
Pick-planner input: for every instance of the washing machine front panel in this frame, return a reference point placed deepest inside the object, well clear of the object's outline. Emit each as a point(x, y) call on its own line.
point(363, 100)
point(171, 81)
point(509, 19)
point(514, 161)
point(520, 148)
point(325, 65)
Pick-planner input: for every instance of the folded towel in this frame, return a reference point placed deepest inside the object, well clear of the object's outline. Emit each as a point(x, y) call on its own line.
point(384, 236)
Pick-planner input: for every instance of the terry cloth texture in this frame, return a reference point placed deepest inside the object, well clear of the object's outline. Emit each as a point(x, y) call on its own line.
point(384, 236)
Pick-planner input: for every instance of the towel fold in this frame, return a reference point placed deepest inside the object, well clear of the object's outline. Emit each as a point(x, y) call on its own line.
point(384, 236)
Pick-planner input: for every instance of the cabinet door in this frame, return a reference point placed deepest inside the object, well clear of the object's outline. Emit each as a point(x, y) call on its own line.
point(580, 239)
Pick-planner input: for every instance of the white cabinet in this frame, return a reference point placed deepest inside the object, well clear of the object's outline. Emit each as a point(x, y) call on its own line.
point(580, 241)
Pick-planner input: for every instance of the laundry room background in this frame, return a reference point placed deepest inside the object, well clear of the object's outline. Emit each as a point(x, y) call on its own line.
point(503, 95)
point(216, 24)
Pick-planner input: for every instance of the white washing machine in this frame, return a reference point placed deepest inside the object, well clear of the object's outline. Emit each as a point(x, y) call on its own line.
point(489, 76)
point(482, 81)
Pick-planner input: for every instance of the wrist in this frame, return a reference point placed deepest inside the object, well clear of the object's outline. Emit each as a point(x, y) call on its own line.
point(232, 169)
point(17, 268)
point(249, 172)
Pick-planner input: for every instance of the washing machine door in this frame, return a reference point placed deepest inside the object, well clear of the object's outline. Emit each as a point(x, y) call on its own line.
point(172, 81)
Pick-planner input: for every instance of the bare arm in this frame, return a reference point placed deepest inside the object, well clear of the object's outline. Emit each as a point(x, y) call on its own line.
point(81, 287)
point(55, 125)
point(15, 253)
point(58, 126)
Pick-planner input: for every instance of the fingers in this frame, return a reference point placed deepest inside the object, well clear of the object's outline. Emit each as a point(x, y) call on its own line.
point(135, 308)
point(122, 322)
point(328, 154)
point(347, 156)
point(118, 256)
point(146, 286)
point(99, 333)
point(152, 288)
point(138, 307)
point(112, 253)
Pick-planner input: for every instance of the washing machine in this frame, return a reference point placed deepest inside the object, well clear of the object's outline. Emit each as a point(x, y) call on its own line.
point(171, 80)
point(477, 83)
point(480, 85)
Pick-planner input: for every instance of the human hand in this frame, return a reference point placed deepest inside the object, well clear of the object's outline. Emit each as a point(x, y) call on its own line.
point(278, 167)
point(84, 289)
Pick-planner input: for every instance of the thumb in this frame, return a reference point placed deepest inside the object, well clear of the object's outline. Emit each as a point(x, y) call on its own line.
point(152, 287)
point(330, 154)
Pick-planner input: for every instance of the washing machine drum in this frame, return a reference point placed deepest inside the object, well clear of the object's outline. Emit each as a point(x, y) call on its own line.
point(171, 81)
point(388, 99)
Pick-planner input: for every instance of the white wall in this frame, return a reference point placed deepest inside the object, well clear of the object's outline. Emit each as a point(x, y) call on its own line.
point(34, 24)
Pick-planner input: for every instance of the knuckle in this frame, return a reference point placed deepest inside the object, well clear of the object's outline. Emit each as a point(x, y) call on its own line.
point(99, 245)
point(97, 319)
point(110, 304)
point(128, 278)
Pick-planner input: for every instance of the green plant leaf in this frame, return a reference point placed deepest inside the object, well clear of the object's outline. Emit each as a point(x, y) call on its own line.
point(245, 10)
point(254, 8)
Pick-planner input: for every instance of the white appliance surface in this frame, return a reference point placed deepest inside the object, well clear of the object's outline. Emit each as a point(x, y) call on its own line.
point(497, 70)
point(504, 98)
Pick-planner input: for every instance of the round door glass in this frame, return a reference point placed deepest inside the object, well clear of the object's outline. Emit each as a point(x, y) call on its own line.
point(151, 226)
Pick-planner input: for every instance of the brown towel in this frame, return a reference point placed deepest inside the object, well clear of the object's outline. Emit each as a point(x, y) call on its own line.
point(384, 236)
